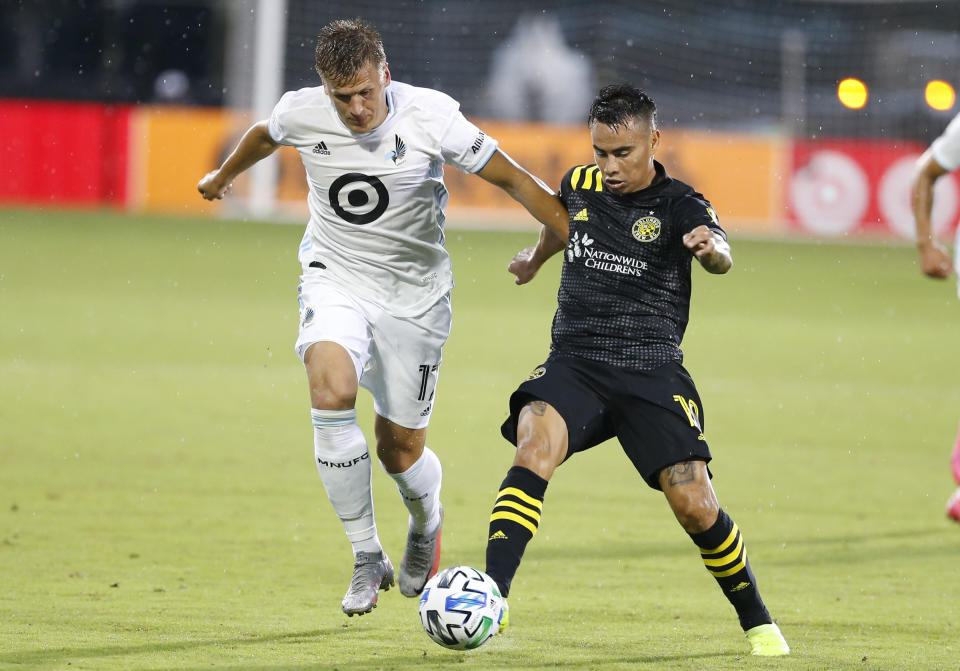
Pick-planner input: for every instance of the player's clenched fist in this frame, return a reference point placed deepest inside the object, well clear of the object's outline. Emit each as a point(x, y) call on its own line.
point(211, 188)
point(934, 260)
point(711, 250)
point(523, 266)
point(700, 241)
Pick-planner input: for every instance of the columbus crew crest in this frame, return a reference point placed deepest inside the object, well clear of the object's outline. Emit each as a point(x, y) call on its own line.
point(537, 372)
point(646, 229)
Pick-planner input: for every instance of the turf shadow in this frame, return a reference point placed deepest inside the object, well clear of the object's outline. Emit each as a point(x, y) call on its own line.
point(64, 655)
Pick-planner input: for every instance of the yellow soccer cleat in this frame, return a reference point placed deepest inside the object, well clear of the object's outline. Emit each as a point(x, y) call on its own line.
point(505, 618)
point(767, 641)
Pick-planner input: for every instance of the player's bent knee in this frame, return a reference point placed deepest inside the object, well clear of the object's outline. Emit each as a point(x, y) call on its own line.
point(332, 377)
point(695, 514)
point(332, 392)
point(332, 398)
point(537, 453)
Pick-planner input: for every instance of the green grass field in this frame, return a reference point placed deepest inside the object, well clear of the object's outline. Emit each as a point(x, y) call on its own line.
point(159, 507)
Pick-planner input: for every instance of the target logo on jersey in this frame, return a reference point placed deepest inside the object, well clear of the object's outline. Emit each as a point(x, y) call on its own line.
point(358, 198)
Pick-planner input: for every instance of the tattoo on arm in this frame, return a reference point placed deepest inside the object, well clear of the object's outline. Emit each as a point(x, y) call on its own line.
point(680, 474)
point(538, 408)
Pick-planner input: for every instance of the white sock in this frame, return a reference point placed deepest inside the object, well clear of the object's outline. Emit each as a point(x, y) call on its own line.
point(419, 487)
point(344, 464)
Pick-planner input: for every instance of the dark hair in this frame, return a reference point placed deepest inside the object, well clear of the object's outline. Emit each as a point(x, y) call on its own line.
point(616, 105)
point(345, 46)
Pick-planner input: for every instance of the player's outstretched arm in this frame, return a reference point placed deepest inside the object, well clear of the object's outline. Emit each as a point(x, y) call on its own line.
point(711, 250)
point(934, 260)
point(527, 190)
point(528, 261)
point(256, 144)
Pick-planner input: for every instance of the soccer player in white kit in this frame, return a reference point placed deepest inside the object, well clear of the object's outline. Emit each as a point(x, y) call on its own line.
point(375, 290)
point(941, 157)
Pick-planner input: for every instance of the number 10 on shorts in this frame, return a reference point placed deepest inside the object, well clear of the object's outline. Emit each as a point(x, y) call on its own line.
point(690, 409)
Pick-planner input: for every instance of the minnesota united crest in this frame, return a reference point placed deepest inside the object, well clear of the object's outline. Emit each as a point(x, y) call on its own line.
point(399, 151)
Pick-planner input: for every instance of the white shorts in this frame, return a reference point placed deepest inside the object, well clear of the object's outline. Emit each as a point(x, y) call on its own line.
point(396, 359)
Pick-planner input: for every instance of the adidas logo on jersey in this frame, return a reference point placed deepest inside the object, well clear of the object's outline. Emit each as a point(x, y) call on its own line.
point(321, 148)
point(581, 215)
point(498, 536)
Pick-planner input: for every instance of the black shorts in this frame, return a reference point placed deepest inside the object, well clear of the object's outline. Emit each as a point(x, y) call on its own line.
point(656, 415)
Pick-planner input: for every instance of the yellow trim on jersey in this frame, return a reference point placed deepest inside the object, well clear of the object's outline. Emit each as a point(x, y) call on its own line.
point(513, 517)
point(586, 178)
point(526, 498)
point(575, 176)
point(529, 512)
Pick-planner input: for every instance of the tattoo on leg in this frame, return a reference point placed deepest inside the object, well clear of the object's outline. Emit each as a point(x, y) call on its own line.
point(680, 474)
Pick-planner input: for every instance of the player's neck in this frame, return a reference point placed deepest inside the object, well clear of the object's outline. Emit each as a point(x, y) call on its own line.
point(384, 112)
point(648, 180)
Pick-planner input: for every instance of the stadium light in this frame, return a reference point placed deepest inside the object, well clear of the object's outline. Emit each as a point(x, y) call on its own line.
point(852, 93)
point(940, 95)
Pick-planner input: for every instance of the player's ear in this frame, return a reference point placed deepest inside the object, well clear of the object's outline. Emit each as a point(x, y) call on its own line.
point(386, 74)
point(654, 141)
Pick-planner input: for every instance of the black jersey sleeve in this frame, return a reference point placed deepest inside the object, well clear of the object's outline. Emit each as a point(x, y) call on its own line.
point(565, 186)
point(695, 210)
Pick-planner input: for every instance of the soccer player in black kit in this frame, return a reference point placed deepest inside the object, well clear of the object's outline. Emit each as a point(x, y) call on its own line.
point(615, 365)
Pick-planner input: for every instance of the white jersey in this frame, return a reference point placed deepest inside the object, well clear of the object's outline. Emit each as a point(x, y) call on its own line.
point(377, 199)
point(946, 148)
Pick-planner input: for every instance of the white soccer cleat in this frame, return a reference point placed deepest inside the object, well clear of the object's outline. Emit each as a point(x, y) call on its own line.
point(372, 572)
point(420, 560)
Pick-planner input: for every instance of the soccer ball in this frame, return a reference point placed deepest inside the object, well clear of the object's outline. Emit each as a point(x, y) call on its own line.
point(461, 608)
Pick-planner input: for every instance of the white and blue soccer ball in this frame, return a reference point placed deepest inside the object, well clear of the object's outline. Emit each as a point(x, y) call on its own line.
point(461, 608)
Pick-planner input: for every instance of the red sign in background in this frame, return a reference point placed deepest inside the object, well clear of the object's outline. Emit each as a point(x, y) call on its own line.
point(63, 153)
point(842, 187)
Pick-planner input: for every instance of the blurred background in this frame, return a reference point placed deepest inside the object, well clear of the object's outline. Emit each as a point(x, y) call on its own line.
point(793, 117)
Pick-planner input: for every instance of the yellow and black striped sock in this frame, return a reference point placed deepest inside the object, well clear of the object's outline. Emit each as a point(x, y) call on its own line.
point(514, 521)
point(724, 555)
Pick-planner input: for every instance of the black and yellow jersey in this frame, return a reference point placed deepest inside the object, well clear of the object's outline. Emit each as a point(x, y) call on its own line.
point(624, 295)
